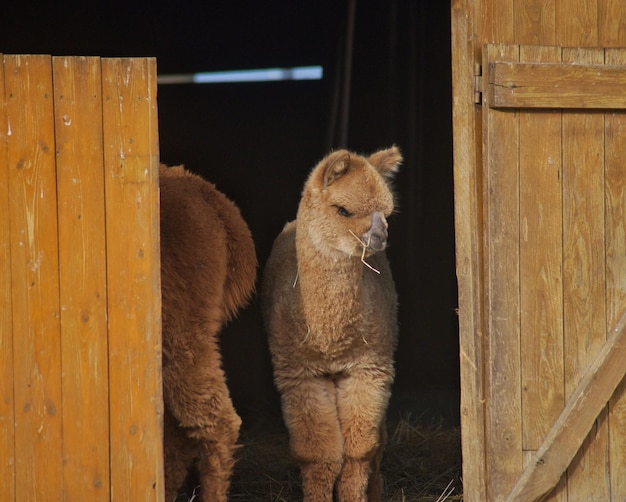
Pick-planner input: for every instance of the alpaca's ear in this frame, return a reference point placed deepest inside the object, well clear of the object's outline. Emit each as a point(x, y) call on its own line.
point(334, 166)
point(387, 162)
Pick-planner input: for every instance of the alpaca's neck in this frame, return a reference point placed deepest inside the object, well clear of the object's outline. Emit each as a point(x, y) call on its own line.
point(331, 291)
point(338, 275)
point(331, 281)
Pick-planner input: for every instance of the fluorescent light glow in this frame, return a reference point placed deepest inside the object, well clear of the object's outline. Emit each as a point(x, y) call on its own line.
point(261, 75)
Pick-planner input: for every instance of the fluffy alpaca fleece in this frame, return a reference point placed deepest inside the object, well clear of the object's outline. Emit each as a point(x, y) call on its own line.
point(329, 304)
point(208, 271)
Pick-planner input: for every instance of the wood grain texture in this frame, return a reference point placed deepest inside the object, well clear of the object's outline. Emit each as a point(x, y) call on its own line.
point(540, 262)
point(82, 269)
point(7, 401)
point(615, 243)
point(549, 85)
point(574, 423)
point(535, 21)
point(133, 277)
point(468, 241)
point(584, 270)
point(611, 26)
point(577, 23)
point(569, 23)
point(59, 422)
point(495, 23)
point(502, 290)
point(35, 279)
point(541, 249)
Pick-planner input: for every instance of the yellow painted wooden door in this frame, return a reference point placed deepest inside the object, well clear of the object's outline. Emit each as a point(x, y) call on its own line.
point(554, 209)
point(80, 318)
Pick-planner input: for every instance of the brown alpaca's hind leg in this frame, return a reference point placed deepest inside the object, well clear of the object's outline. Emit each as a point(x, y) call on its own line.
point(179, 456)
point(196, 394)
point(216, 462)
point(309, 409)
point(361, 402)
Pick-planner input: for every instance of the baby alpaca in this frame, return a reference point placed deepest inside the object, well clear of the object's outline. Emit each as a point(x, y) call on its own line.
point(208, 271)
point(329, 304)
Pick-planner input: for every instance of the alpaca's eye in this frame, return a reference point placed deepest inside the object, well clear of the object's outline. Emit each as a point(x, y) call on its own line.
point(343, 211)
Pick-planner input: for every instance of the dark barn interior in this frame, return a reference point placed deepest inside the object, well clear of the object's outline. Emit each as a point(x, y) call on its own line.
point(386, 80)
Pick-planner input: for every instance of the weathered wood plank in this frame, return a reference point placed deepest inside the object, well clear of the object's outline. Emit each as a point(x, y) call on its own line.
point(611, 15)
point(133, 277)
point(82, 270)
point(468, 239)
point(577, 23)
point(540, 263)
point(548, 85)
point(541, 257)
point(535, 22)
point(7, 401)
point(502, 290)
point(560, 23)
point(496, 23)
point(584, 313)
point(35, 280)
point(572, 426)
point(615, 243)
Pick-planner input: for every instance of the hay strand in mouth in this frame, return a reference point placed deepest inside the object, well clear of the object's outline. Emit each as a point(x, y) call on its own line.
point(364, 245)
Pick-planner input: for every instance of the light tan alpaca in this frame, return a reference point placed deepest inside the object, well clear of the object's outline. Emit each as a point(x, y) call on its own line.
point(329, 303)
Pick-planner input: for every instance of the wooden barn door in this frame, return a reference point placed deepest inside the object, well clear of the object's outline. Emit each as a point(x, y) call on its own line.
point(80, 309)
point(554, 269)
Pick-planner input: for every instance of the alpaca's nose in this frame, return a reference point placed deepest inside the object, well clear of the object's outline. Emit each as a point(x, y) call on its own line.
point(377, 242)
point(376, 236)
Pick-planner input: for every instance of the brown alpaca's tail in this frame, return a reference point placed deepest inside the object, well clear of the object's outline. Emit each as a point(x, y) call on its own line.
point(242, 260)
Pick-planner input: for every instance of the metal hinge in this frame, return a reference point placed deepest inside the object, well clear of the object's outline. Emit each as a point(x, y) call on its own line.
point(478, 83)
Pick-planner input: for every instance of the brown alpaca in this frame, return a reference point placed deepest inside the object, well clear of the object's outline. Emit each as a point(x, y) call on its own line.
point(208, 271)
point(330, 308)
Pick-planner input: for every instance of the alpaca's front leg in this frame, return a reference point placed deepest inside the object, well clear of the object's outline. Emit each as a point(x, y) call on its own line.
point(362, 400)
point(309, 409)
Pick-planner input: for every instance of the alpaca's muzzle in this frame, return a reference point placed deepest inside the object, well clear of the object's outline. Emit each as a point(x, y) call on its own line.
point(376, 236)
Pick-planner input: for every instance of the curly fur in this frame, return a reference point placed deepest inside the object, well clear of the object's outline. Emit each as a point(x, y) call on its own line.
point(332, 324)
point(208, 271)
